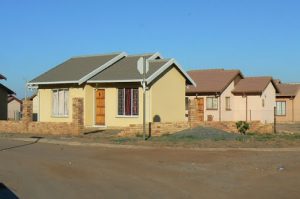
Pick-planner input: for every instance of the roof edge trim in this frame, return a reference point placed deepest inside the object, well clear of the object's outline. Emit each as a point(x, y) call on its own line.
point(166, 66)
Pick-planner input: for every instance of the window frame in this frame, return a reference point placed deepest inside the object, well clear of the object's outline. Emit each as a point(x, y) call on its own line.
point(228, 108)
point(212, 103)
point(66, 108)
point(281, 102)
point(131, 102)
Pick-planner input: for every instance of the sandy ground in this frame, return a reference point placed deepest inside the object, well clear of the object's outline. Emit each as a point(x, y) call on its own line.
point(42, 170)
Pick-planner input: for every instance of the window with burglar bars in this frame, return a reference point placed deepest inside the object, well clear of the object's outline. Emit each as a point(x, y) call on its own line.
point(128, 101)
point(60, 103)
point(281, 108)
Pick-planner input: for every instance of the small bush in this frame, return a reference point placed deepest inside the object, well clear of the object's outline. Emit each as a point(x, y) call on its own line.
point(242, 127)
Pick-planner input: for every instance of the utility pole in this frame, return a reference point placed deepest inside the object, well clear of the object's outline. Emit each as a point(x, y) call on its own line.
point(144, 99)
point(143, 67)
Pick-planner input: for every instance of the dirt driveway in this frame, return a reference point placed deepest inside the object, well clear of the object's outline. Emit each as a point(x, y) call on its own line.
point(41, 170)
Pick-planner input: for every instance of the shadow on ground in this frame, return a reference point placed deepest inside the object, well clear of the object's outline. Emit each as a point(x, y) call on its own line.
point(22, 145)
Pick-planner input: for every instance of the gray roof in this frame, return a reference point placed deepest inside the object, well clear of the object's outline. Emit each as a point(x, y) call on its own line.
point(2, 77)
point(126, 70)
point(74, 69)
point(10, 92)
point(107, 68)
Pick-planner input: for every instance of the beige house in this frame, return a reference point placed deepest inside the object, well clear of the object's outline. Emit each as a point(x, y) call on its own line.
point(4, 92)
point(111, 87)
point(226, 95)
point(288, 103)
point(13, 108)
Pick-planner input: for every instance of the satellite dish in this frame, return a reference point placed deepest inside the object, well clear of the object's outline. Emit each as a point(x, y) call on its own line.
point(140, 65)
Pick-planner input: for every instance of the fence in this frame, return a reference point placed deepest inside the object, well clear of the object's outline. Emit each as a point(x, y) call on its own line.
point(26, 125)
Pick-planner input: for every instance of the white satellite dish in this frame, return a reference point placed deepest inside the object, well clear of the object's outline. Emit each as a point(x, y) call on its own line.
point(140, 65)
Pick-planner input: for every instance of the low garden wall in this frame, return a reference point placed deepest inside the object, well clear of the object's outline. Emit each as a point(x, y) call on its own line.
point(155, 128)
point(26, 125)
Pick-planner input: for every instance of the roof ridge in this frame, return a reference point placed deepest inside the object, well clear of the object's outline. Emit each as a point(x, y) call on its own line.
point(96, 55)
point(142, 54)
point(160, 60)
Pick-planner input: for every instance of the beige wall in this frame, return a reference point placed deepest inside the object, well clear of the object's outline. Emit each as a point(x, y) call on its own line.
point(168, 97)
point(164, 98)
point(292, 109)
point(13, 107)
point(45, 96)
point(256, 112)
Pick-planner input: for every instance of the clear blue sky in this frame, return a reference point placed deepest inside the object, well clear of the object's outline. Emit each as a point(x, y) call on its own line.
point(259, 37)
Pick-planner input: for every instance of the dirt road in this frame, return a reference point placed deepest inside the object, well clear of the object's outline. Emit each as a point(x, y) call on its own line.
point(41, 170)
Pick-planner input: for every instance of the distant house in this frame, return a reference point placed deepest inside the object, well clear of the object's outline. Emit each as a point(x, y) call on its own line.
point(256, 97)
point(214, 93)
point(111, 87)
point(226, 95)
point(288, 102)
point(4, 92)
point(13, 108)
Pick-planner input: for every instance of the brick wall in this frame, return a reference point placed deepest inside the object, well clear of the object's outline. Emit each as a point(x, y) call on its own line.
point(155, 128)
point(26, 125)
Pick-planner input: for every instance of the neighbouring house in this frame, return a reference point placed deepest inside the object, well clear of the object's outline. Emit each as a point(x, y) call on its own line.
point(111, 87)
point(288, 102)
point(14, 107)
point(256, 99)
point(4, 92)
point(226, 95)
point(213, 93)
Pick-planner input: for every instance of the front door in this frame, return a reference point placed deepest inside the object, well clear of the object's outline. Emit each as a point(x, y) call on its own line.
point(200, 111)
point(100, 107)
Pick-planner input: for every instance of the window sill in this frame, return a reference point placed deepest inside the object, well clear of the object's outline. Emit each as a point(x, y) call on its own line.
point(228, 109)
point(211, 109)
point(59, 116)
point(127, 116)
point(280, 115)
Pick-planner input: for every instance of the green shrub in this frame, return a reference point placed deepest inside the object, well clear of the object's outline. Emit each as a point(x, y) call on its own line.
point(242, 127)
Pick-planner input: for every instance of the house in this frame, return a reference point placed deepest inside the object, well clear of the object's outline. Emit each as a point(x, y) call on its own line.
point(288, 102)
point(111, 87)
point(4, 92)
point(14, 107)
point(213, 93)
point(255, 99)
point(226, 95)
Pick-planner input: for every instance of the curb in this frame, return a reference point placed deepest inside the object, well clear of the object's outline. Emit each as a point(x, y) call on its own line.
point(122, 146)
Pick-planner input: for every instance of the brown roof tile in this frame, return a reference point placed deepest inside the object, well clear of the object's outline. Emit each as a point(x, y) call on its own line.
point(288, 90)
point(253, 85)
point(212, 80)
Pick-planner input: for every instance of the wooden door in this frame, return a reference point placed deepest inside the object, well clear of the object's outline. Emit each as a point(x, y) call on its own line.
point(200, 111)
point(100, 107)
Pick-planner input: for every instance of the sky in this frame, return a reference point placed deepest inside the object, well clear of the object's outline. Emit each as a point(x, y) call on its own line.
point(259, 37)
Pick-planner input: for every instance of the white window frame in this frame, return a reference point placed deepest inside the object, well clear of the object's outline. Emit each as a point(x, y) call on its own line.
point(212, 103)
point(66, 108)
point(282, 111)
point(228, 105)
point(124, 97)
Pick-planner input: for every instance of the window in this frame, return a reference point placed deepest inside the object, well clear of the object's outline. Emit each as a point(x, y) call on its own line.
point(128, 101)
point(263, 102)
point(281, 108)
point(228, 106)
point(212, 103)
point(60, 102)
